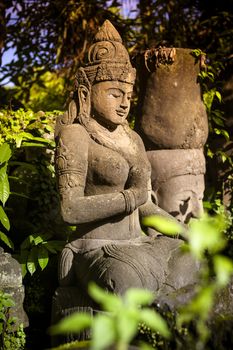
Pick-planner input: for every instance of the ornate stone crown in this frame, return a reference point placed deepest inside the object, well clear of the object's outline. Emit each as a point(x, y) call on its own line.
point(108, 59)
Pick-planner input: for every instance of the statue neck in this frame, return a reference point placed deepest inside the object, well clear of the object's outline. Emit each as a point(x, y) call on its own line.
point(117, 139)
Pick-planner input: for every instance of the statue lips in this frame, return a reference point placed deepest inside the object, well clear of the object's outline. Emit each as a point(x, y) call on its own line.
point(121, 112)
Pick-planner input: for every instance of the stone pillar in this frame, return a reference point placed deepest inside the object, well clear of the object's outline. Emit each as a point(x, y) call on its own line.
point(11, 283)
point(174, 126)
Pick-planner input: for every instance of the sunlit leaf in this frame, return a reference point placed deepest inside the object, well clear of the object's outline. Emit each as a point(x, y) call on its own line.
point(127, 325)
point(32, 260)
point(223, 268)
point(206, 234)
point(136, 297)
point(218, 95)
point(72, 324)
point(5, 153)
point(6, 240)
point(110, 302)
point(163, 225)
point(200, 306)
point(43, 257)
point(103, 332)
point(4, 219)
point(4, 185)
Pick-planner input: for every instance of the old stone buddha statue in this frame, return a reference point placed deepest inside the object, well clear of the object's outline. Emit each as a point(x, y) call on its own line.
point(104, 183)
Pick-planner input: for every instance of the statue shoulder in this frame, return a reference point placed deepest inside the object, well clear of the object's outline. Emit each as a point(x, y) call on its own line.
point(73, 134)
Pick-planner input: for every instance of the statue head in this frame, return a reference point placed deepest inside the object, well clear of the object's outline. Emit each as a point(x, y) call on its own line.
point(178, 181)
point(103, 87)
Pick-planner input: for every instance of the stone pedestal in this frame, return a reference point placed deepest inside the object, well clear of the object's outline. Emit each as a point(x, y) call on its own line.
point(11, 283)
point(66, 301)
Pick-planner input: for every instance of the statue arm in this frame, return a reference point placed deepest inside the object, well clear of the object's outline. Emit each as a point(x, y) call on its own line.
point(72, 165)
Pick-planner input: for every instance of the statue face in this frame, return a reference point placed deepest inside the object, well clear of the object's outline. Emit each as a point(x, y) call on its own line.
point(110, 102)
point(182, 196)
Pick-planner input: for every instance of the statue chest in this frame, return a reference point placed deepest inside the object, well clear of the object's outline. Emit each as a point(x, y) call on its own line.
point(106, 168)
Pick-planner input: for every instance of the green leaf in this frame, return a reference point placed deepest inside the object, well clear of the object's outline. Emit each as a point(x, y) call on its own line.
point(27, 242)
point(200, 306)
point(218, 95)
point(155, 322)
point(206, 234)
point(163, 225)
point(136, 297)
point(127, 325)
point(32, 260)
point(35, 144)
point(54, 246)
point(223, 267)
point(103, 332)
point(225, 134)
point(6, 240)
point(72, 324)
point(4, 185)
point(5, 153)
point(43, 257)
point(210, 153)
point(38, 239)
point(4, 219)
point(110, 302)
point(23, 261)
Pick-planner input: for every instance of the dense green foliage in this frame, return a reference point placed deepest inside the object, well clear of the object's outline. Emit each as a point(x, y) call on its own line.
point(12, 336)
point(28, 190)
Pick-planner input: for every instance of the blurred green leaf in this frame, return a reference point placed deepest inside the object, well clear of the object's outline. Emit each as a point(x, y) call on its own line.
point(223, 268)
point(163, 225)
point(126, 325)
point(72, 324)
point(110, 302)
point(136, 297)
point(103, 332)
point(206, 234)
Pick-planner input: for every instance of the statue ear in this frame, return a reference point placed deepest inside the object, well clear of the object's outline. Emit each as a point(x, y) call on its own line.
point(84, 99)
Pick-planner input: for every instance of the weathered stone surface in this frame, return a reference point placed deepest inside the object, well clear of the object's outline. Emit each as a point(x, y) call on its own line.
point(172, 112)
point(11, 283)
point(178, 181)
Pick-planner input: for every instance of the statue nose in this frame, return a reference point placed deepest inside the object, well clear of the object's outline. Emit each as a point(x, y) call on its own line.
point(197, 208)
point(124, 102)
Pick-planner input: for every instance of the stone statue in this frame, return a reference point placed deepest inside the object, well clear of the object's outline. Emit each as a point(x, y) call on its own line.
point(173, 124)
point(104, 183)
point(178, 181)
